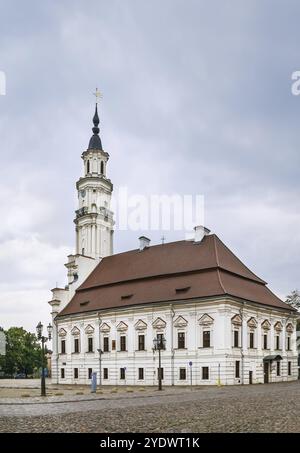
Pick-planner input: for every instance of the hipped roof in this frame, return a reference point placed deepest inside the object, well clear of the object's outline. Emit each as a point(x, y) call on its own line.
point(175, 271)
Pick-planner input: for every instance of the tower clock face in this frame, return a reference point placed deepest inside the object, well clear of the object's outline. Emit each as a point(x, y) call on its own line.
point(82, 193)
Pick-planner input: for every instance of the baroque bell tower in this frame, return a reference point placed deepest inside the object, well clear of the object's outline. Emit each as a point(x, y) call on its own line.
point(94, 219)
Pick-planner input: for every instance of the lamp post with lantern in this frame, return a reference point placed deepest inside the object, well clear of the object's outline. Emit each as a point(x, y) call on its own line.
point(43, 340)
point(159, 343)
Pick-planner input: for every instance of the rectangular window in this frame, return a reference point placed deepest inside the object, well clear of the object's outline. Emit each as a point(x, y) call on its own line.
point(105, 373)
point(113, 345)
point(160, 337)
point(105, 344)
point(141, 345)
point(162, 373)
point(90, 372)
point(288, 343)
point(90, 345)
point(76, 345)
point(206, 339)
point(141, 374)
point(251, 340)
point(123, 343)
point(122, 373)
point(63, 346)
point(181, 340)
point(75, 373)
point(205, 373)
point(278, 368)
point(62, 373)
point(265, 341)
point(277, 345)
point(182, 374)
point(289, 368)
point(237, 369)
point(235, 338)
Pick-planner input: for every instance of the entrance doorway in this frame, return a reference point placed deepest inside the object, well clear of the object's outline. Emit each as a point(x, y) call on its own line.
point(250, 377)
point(266, 372)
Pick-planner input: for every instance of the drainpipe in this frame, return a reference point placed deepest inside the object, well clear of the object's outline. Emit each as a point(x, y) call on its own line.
point(100, 351)
point(172, 345)
point(56, 347)
point(242, 342)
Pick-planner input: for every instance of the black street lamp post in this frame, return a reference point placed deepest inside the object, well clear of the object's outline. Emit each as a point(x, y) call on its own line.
point(43, 340)
point(159, 343)
point(100, 366)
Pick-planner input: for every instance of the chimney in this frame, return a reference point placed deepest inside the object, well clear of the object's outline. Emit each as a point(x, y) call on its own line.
point(200, 232)
point(144, 242)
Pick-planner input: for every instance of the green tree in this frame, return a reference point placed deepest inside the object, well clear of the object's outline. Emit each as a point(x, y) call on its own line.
point(23, 352)
point(293, 299)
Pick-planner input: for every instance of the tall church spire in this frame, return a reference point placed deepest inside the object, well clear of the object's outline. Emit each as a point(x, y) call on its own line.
point(95, 141)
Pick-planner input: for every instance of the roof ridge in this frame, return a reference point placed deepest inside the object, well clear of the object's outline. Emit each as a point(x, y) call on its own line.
point(218, 264)
point(240, 262)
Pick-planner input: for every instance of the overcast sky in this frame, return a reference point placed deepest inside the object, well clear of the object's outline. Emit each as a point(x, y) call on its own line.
point(197, 100)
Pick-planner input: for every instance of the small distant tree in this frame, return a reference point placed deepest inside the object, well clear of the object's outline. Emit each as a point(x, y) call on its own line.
point(23, 352)
point(293, 299)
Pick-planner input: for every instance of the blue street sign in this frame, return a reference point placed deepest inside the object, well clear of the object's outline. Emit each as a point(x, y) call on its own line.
point(190, 363)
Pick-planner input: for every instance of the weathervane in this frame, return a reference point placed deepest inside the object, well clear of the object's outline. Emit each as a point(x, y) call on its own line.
point(98, 95)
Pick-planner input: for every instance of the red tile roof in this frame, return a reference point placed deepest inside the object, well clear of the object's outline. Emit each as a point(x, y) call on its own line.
point(174, 271)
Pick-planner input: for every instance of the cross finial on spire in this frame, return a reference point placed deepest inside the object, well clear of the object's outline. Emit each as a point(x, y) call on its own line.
point(98, 95)
point(95, 141)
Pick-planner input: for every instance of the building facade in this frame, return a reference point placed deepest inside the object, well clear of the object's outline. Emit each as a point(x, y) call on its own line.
point(207, 342)
point(221, 323)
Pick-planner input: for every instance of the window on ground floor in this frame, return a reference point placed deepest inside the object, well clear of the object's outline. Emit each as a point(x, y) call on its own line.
point(278, 368)
point(122, 373)
point(141, 374)
point(75, 373)
point(237, 369)
point(90, 372)
point(205, 372)
point(105, 373)
point(289, 368)
point(62, 373)
point(182, 374)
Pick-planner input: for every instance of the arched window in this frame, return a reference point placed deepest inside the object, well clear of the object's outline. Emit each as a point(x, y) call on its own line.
point(88, 166)
point(102, 167)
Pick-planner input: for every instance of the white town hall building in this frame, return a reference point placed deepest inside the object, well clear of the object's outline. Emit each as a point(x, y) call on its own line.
point(221, 323)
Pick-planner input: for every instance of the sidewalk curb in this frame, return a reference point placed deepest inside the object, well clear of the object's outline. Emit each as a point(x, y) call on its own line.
point(78, 400)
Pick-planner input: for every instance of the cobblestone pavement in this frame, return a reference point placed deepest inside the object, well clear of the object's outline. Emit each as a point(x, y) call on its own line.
point(256, 408)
